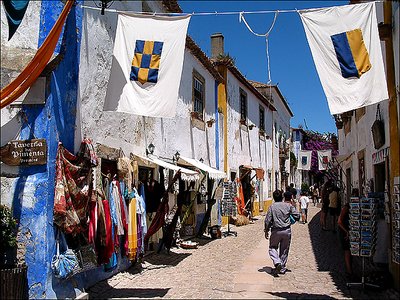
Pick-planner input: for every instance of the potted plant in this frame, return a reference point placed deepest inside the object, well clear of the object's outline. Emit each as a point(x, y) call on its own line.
point(14, 283)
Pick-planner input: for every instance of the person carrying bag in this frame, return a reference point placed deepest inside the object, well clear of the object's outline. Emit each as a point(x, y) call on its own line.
point(278, 220)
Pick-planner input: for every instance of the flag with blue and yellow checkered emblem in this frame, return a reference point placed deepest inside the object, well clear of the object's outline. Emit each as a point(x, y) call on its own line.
point(345, 45)
point(147, 65)
point(146, 61)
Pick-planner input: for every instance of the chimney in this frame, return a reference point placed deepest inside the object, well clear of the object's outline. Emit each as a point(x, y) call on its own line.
point(217, 45)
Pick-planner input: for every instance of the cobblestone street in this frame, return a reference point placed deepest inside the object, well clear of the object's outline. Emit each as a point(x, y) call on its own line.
point(239, 267)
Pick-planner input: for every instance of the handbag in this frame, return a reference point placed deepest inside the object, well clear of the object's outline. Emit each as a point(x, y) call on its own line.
point(87, 258)
point(378, 130)
point(292, 219)
point(64, 264)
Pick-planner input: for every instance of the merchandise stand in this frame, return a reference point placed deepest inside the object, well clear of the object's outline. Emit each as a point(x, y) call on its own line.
point(228, 205)
point(362, 234)
point(229, 232)
point(362, 284)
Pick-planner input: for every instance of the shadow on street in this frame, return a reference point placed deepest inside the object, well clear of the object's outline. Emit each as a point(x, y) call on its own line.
point(330, 258)
point(287, 295)
point(163, 258)
point(131, 292)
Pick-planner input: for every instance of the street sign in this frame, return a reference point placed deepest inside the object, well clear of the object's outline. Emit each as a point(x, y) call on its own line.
point(24, 152)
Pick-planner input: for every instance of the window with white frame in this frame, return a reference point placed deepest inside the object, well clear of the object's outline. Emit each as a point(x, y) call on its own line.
point(198, 94)
point(262, 118)
point(243, 107)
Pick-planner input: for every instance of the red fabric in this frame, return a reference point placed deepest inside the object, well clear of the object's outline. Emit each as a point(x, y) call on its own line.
point(158, 220)
point(162, 210)
point(105, 252)
point(72, 192)
point(92, 222)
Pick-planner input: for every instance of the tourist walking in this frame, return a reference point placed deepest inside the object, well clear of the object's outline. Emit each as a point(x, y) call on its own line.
point(314, 193)
point(278, 221)
point(304, 200)
point(326, 189)
point(334, 206)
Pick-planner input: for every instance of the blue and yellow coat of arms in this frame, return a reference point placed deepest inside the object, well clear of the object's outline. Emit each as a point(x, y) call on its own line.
point(146, 61)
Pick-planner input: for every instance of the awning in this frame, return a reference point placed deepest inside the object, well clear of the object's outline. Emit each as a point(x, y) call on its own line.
point(259, 171)
point(186, 174)
point(212, 173)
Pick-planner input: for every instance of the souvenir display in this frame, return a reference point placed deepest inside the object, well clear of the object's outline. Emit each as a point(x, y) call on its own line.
point(362, 226)
point(228, 203)
point(103, 208)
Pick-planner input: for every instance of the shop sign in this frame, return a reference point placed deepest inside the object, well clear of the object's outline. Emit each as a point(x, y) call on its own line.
point(380, 156)
point(24, 152)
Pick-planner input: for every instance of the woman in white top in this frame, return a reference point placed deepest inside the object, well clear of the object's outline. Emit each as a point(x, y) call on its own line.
point(304, 200)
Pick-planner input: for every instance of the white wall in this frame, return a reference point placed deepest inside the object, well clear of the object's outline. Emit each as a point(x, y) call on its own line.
point(245, 146)
point(131, 132)
point(281, 117)
point(360, 137)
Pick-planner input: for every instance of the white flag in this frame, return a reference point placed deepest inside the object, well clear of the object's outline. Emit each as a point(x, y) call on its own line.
point(324, 158)
point(304, 160)
point(345, 45)
point(147, 65)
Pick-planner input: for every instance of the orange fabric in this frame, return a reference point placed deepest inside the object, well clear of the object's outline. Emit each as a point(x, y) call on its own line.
point(241, 199)
point(32, 71)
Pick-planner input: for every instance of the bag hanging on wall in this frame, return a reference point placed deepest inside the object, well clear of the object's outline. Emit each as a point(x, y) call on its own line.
point(64, 264)
point(378, 129)
point(87, 257)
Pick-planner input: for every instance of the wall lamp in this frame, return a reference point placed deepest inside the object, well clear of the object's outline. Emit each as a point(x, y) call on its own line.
point(201, 160)
point(103, 4)
point(150, 149)
point(176, 156)
point(251, 126)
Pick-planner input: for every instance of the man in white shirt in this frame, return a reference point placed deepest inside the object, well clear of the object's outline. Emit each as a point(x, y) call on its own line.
point(304, 200)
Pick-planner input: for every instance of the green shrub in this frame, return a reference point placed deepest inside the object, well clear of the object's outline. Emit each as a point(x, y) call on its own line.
point(8, 227)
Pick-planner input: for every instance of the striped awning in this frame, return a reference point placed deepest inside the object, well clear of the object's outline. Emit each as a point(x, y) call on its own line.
point(186, 174)
point(212, 173)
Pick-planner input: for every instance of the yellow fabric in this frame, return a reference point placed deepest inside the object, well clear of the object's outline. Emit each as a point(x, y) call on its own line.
point(155, 61)
point(143, 75)
point(137, 60)
point(148, 47)
point(359, 51)
point(132, 230)
point(31, 72)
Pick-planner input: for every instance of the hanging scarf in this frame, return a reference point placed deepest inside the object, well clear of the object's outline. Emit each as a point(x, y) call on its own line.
point(132, 230)
point(72, 192)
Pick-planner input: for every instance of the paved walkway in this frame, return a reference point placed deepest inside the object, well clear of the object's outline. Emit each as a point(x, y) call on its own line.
point(239, 267)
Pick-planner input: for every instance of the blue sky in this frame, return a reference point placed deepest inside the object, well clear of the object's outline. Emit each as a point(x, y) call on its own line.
point(292, 66)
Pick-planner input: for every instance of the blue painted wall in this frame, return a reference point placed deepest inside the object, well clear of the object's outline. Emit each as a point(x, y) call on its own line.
point(34, 190)
point(55, 121)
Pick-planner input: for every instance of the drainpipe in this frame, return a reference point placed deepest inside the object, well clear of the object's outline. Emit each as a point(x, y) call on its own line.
point(393, 124)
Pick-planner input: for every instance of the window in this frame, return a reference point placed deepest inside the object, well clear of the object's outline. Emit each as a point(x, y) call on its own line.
point(198, 94)
point(243, 106)
point(262, 119)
